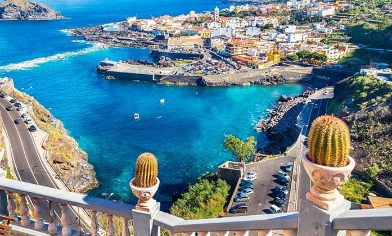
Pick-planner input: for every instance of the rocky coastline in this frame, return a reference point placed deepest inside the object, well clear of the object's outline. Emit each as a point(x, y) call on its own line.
point(25, 10)
point(63, 152)
point(280, 126)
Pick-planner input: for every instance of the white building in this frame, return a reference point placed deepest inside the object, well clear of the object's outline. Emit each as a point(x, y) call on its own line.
point(212, 25)
point(252, 31)
point(290, 29)
point(222, 31)
point(294, 37)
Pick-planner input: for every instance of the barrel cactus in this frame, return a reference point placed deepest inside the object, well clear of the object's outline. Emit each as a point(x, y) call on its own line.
point(146, 171)
point(329, 142)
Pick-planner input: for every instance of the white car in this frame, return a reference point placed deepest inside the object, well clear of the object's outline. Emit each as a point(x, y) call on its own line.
point(251, 175)
point(248, 191)
point(326, 93)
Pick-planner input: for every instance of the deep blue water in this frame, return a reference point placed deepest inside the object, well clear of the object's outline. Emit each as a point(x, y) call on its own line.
point(186, 133)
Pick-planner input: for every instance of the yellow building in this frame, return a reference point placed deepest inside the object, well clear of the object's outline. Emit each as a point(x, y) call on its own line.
point(206, 33)
point(274, 56)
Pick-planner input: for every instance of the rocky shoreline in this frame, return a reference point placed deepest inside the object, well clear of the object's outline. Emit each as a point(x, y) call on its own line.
point(24, 10)
point(280, 126)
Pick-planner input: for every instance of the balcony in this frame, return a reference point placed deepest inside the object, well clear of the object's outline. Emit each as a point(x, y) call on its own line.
point(310, 220)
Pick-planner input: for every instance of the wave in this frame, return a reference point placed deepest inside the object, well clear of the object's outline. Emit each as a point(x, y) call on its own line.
point(25, 65)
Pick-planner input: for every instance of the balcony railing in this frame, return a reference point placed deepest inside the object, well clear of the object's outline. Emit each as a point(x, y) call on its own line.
point(310, 220)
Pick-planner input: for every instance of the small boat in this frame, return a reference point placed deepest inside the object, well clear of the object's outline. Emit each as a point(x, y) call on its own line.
point(136, 116)
point(162, 101)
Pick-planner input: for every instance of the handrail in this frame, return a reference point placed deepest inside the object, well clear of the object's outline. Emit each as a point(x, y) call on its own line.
point(70, 198)
point(252, 222)
point(381, 219)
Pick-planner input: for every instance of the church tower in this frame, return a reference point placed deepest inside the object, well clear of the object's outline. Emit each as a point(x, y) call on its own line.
point(216, 13)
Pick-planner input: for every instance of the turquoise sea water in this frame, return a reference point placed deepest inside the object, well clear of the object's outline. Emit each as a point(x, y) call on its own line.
point(186, 133)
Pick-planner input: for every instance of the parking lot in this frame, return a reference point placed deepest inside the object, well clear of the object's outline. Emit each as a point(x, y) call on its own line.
point(260, 201)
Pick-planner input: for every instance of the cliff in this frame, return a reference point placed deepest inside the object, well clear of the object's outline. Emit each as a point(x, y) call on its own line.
point(24, 10)
point(64, 153)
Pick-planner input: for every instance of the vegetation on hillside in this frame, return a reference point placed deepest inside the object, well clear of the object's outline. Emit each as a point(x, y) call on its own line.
point(366, 106)
point(203, 200)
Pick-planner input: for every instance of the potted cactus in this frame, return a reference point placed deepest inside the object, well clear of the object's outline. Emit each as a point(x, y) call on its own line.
point(327, 160)
point(146, 182)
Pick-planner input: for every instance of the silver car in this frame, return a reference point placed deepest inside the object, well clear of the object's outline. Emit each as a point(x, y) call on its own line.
point(241, 197)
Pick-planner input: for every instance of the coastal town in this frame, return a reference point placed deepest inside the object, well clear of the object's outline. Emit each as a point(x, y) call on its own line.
point(242, 39)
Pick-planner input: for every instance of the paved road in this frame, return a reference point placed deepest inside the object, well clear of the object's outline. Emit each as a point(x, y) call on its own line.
point(27, 162)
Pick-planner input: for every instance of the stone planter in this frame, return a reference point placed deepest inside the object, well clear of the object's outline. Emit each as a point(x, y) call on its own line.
point(326, 180)
point(145, 202)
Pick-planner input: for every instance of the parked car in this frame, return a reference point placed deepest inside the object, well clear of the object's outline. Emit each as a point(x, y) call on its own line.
point(239, 208)
point(251, 175)
point(282, 188)
point(32, 128)
point(279, 202)
point(20, 108)
point(9, 108)
point(279, 194)
point(283, 174)
point(275, 209)
point(18, 120)
point(246, 182)
point(246, 187)
point(13, 100)
point(248, 191)
point(28, 121)
point(326, 92)
point(282, 180)
point(24, 115)
point(17, 104)
point(2, 95)
point(241, 197)
point(289, 166)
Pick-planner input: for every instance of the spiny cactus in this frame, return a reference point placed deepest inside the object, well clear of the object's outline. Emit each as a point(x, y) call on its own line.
point(329, 142)
point(146, 171)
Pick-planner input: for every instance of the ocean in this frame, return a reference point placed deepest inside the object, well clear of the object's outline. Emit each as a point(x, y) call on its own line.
point(185, 133)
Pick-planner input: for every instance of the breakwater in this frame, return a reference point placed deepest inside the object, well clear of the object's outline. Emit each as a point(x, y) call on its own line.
point(173, 54)
point(172, 76)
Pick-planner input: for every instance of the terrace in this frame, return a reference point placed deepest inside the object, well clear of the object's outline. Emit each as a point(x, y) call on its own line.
point(310, 220)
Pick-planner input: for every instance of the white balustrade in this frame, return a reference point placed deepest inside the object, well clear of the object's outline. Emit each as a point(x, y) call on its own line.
point(52, 227)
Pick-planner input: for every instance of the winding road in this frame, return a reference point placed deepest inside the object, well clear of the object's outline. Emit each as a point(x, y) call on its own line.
point(28, 165)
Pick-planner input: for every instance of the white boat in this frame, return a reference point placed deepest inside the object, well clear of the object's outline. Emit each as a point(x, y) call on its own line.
point(136, 116)
point(162, 101)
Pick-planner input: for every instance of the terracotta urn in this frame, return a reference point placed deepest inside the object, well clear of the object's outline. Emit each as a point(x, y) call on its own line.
point(145, 196)
point(326, 181)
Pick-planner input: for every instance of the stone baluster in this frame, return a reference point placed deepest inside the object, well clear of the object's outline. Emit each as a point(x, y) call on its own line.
point(188, 234)
point(203, 234)
point(109, 225)
point(265, 232)
point(66, 231)
point(222, 233)
point(125, 228)
point(11, 205)
point(94, 223)
point(358, 233)
point(290, 232)
point(52, 228)
point(24, 210)
point(242, 233)
point(39, 223)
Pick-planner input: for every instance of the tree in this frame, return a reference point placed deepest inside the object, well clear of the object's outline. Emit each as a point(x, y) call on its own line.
point(243, 150)
point(292, 57)
point(203, 200)
point(303, 54)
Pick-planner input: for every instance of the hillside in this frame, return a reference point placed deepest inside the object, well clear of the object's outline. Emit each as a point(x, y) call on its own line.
point(24, 10)
point(366, 106)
